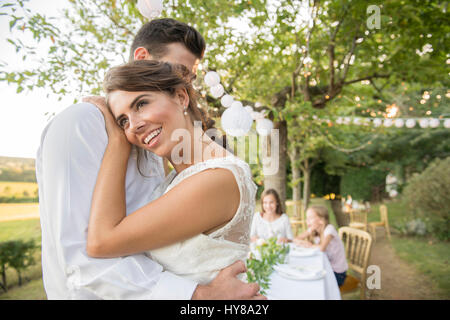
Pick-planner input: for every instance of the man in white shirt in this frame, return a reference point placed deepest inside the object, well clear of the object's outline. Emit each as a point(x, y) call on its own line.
point(67, 164)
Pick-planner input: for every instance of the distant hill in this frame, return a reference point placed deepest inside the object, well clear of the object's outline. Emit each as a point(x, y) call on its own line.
point(17, 169)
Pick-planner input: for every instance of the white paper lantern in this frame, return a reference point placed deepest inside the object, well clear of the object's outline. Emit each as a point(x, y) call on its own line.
point(227, 100)
point(237, 104)
point(249, 109)
point(236, 121)
point(410, 123)
point(150, 8)
point(447, 123)
point(434, 123)
point(387, 123)
point(423, 123)
point(393, 193)
point(399, 123)
point(212, 79)
point(377, 122)
point(217, 91)
point(264, 126)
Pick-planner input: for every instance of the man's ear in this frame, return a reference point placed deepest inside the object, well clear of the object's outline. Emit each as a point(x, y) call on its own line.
point(142, 54)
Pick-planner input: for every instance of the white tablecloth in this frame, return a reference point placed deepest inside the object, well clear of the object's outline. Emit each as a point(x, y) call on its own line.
point(325, 288)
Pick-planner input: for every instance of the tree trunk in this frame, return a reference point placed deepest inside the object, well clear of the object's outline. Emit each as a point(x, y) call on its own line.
point(342, 218)
point(306, 184)
point(4, 284)
point(296, 176)
point(274, 169)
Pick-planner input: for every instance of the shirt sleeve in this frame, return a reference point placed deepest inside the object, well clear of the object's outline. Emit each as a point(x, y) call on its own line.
point(330, 230)
point(67, 164)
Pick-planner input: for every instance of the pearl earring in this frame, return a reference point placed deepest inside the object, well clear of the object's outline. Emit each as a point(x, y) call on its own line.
point(185, 111)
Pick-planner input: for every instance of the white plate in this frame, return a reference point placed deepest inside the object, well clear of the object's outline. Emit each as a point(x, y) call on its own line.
point(297, 251)
point(299, 272)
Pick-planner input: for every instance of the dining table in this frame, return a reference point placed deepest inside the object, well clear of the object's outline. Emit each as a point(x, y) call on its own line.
point(321, 286)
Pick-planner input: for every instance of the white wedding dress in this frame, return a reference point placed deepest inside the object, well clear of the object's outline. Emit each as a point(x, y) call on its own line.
point(201, 257)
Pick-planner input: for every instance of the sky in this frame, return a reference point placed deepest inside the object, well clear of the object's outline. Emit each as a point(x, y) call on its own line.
point(24, 115)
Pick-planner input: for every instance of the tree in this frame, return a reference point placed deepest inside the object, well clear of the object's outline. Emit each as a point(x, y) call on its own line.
point(273, 52)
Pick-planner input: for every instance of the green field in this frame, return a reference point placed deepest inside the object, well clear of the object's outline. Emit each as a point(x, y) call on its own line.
point(9, 189)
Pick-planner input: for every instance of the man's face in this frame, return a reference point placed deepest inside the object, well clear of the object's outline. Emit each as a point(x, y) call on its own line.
point(177, 53)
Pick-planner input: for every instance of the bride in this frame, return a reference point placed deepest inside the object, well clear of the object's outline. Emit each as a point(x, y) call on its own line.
point(152, 105)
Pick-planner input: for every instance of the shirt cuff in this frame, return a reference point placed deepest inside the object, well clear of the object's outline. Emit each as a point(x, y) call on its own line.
point(172, 287)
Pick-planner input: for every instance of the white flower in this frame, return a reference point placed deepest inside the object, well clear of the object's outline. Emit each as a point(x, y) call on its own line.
point(150, 8)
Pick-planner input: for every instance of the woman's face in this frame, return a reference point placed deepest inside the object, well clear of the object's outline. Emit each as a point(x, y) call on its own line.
point(312, 220)
point(270, 204)
point(148, 118)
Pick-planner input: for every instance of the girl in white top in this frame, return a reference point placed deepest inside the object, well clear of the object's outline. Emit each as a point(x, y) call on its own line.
point(322, 234)
point(271, 222)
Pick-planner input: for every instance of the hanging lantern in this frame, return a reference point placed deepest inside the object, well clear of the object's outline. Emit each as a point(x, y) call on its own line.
point(410, 123)
point(236, 121)
point(217, 91)
point(423, 123)
point(399, 123)
point(249, 109)
point(447, 123)
point(150, 8)
point(387, 123)
point(237, 104)
point(212, 79)
point(264, 126)
point(434, 123)
point(227, 100)
point(377, 122)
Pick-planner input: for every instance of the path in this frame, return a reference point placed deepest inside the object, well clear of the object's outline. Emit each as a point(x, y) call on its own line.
point(18, 211)
point(399, 280)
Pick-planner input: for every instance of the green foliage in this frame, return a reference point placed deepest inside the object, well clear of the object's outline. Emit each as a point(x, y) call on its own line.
point(21, 199)
point(18, 255)
point(361, 183)
point(259, 268)
point(427, 194)
point(414, 227)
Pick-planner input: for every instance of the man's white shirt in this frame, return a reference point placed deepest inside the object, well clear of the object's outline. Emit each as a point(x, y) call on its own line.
point(67, 164)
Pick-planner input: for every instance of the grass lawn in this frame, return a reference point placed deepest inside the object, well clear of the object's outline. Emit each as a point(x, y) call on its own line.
point(8, 189)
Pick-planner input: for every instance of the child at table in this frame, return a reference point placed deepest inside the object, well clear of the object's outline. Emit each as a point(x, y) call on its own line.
point(323, 235)
point(271, 221)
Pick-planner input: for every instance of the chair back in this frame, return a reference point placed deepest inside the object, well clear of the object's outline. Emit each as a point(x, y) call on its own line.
point(297, 209)
point(358, 245)
point(383, 213)
point(358, 216)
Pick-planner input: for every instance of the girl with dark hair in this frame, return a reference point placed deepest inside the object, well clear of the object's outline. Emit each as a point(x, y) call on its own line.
point(152, 105)
point(271, 221)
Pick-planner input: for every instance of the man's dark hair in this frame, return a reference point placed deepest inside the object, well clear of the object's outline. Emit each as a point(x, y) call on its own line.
point(157, 34)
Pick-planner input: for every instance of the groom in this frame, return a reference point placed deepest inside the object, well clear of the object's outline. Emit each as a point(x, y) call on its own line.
point(67, 163)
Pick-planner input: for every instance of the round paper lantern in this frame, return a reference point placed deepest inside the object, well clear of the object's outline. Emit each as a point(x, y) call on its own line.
point(212, 79)
point(399, 123)
point(410, 123)
point(227, 100)
point(377, 122)
point(423, 123)
point(387, 123)
point(236, 121)
point(447, 123)
point(264, 126)
point(237, 104)
point(217, 91)
point(249, 109)
point(434, 123)
point(150, 8)
point(393, 193)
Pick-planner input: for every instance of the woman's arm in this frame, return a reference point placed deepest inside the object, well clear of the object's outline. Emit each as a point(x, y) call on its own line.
point(196, 205)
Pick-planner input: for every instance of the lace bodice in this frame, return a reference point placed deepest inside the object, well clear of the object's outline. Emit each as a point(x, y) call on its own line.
point(201, 257)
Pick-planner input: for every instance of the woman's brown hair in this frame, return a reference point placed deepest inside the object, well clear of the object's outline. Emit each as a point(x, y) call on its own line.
point(279, 209)
point(151, 75)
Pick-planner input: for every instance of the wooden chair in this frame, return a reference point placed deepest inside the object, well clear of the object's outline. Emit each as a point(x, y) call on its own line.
point(358, 219)
point(383, 223)
point(298, 221)
point(358, 245)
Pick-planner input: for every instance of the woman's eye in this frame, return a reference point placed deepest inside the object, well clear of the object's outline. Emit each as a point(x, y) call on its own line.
point(140, 104)
point(122, 123)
